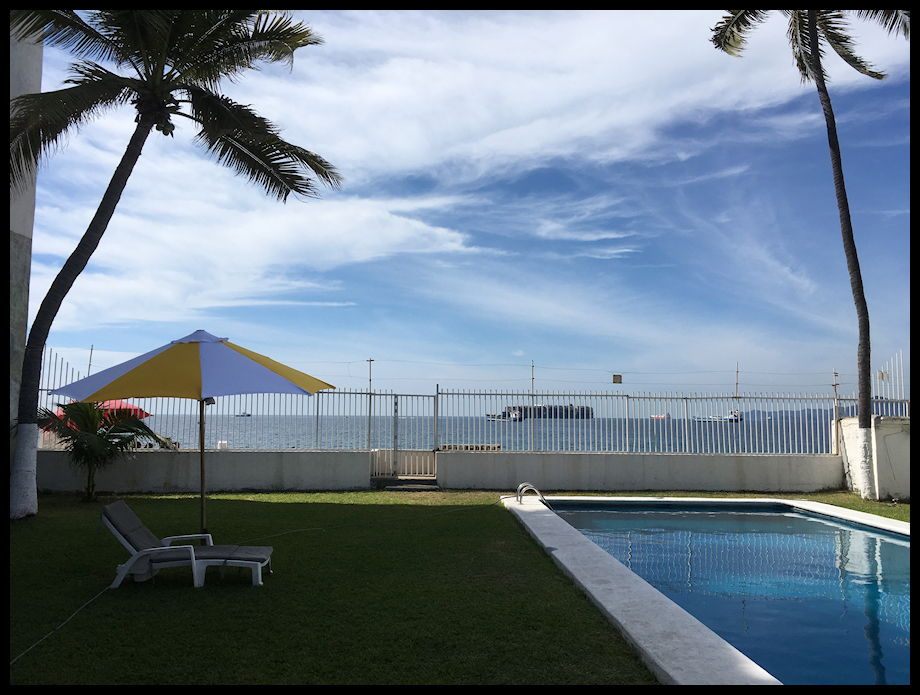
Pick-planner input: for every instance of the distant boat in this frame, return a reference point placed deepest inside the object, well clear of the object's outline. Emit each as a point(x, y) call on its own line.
point(513, 416)
point(734, 416)
point(666, 416)
point(243, 415)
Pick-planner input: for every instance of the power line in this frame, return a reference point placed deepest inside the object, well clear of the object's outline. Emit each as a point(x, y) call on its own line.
point(604, 370)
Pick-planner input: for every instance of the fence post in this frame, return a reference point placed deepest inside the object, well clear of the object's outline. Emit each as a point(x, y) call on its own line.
point(370, 401)
point(437, 399)
point(316, 420)
point(836, 430)
point(531, 417)
point(395, 434)
point(626, 434)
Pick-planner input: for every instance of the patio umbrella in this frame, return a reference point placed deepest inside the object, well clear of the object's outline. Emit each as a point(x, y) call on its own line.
point(199, 366)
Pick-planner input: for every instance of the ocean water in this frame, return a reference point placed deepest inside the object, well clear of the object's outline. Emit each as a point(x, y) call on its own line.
point(793, 434)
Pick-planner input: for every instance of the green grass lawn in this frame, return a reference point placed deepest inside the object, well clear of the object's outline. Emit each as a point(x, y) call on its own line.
point(368, 587)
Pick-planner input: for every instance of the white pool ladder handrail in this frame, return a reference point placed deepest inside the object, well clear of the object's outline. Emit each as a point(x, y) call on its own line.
point(524, 487)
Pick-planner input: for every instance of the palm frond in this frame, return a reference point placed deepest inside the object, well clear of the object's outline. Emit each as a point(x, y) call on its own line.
point(65, 29)
point(275, 37)
point(833, 28)
point(730, 34)
point(249, 144)
point(235, 41)
point(196, 36)
point(142, 37)
point(128, 430)
point(800, 42)
point(894, 21)
point(39, 122)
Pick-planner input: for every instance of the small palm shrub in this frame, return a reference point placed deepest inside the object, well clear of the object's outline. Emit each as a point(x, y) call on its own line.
point(95, 437)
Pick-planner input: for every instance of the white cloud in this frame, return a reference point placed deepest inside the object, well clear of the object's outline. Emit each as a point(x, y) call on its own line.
point(494, 88)
point(458, 104)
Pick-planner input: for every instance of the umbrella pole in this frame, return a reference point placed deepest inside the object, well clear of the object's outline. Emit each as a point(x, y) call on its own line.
point(201, 451)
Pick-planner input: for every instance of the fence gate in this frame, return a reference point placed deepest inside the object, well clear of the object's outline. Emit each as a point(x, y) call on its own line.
point(402, 434)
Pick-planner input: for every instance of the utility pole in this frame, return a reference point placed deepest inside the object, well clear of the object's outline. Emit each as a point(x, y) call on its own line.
point(835, 449)
point(370, 407)
point(532, 408)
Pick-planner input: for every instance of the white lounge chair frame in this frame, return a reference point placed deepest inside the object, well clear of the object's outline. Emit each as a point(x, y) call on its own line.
point(148, 553)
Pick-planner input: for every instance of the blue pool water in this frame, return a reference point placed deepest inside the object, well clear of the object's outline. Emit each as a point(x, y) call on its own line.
point(812, 600)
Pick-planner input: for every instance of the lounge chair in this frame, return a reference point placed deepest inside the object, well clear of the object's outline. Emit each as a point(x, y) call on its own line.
point(149, 554)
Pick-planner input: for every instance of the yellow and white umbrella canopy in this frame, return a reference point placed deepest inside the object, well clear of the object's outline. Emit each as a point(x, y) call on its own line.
point(199, 366)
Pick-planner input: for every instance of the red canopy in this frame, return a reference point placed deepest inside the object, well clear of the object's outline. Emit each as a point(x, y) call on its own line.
point(119, 407)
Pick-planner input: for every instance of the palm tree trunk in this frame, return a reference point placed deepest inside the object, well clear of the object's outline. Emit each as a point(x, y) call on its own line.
point(863, 379)
point(23, 492)
point(863, 375)
point(90, 484)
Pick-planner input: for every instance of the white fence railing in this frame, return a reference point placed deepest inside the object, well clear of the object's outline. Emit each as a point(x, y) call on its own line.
point(393, 425)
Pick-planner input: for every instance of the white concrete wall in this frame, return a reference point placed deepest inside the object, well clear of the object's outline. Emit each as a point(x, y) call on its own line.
point(621, 471)
point(888, 473)
point(179, 471)
point(162, 471)
point(891, 451)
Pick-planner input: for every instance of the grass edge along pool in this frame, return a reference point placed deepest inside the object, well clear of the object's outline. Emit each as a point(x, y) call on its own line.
point(677, 647)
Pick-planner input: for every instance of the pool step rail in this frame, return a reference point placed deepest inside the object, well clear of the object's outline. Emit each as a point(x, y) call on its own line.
point(526, 487)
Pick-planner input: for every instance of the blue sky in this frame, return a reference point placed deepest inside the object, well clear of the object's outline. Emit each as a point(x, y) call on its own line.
point(595, 193)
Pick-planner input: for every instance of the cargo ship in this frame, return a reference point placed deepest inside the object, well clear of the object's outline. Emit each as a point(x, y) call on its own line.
point(517, 413)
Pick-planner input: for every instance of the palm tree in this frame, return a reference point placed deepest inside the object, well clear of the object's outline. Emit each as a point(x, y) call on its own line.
point(173, 62)
point(807, 30)
point(95, 437)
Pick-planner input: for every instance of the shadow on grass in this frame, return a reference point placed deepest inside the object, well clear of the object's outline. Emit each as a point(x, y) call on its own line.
point(368, 587)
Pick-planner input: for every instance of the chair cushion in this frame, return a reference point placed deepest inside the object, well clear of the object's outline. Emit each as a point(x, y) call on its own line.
point(222, 553)
point(129, 526)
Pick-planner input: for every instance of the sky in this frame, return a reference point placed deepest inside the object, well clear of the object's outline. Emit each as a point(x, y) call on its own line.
point(529, 198)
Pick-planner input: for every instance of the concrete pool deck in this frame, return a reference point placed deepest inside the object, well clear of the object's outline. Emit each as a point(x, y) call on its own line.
point(675, 646)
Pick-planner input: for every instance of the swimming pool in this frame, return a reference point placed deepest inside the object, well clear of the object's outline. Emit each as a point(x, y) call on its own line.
point(838, 603)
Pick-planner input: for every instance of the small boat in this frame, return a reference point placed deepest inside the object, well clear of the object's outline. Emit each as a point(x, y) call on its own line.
point(243, 415)
point(503, 417)
point(666, 416)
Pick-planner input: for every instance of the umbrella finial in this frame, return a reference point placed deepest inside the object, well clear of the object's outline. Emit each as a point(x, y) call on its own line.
point(200, 337)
